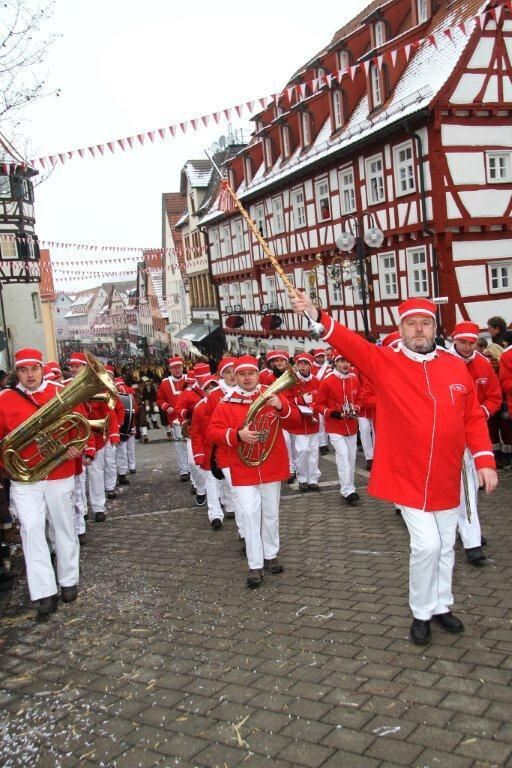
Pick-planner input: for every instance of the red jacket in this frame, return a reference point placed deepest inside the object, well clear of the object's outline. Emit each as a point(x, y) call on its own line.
point(505, 376)
point(168, 392)
point(323, 371)
point(365, 402)
point(186, 401)
point(308, 388)
point(488, 388)
point(229, 417)
point(427, 411)
point(267, 377)
point(99, 410)
point(15, 409)
point(221, 451)
point(200, 448)
point(334, 391)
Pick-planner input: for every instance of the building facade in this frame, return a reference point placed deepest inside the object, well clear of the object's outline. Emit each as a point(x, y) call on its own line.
point(377, 132)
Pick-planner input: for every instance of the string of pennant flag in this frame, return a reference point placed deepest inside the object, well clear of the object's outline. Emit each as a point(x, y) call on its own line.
point(299, 91)
point(147, 251)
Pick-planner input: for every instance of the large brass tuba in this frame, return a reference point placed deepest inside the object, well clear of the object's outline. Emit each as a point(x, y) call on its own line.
point(266, 424)
point(47, 429)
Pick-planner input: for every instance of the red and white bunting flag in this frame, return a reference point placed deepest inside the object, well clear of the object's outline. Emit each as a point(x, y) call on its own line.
point(140, 137)
point(62, 157)
point(161, 133)
point(303, 90)
point(216, 117)
point(352, 71)
point(314, 84)
point(330, 80)
point(227, 113)
point(432, 40)
point(194, 123)
point(183, 126)
point(110, 145)
point(121, 144)
point(263, 102)
point(449, 33)
point(151, 136)
point(407, 51)
point(290, 93)
point(380, 59)
point(92, 151)
point(482, 18)
point(238, 109)
point(393, 55)
point(172, 130)
point(366, 65)
point(100, 148)
point(130, 139)
point(465, 28)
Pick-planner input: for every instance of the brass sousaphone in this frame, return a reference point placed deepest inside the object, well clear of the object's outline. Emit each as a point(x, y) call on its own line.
point(45, 432)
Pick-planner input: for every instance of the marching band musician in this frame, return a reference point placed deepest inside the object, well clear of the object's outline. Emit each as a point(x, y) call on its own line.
point(183, 411)
point(305, 437)
point(267, 375)
point(277, 360)
point(166, 398)
point(431, 397)
point(52, 497)
point(321, 369)
point(257, 487)
point(113, 440)
point(125, 456)
point(365, 421)
point(465, 338)
point(338, 401)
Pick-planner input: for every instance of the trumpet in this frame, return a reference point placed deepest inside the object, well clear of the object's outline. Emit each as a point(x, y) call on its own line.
point(349, 410)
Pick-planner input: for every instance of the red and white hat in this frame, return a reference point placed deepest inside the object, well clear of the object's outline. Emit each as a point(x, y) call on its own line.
point(246, 363)
point(416, 307)
point(78, 358)
point(48, 374)
point(339, 356)
point(54, 367)
point(118, 380)
point(190, 377)
point(174, 361)
point(318, 352)
point(304, 357)
point(28, 356)
point(201, 369)
point(226, 362)
point(392, 339)
point(276, 354)
point(209, 380)
point(467, 331)
point(109, 369)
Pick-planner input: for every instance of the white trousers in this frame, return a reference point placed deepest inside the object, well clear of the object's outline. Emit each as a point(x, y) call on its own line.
point(323, 438)
point(290, 447)
point(213, 497)
point(197, 474)
point(367, 434)
point(80, 502)
point(96, 477)
point(125, 455)
point(259, 508)
point(431, 561)
point(229, 499)
point(110, 466)
point(181, 450)
point(345, 447)
point(34, 501)
point(469, 532)
point(306, 458)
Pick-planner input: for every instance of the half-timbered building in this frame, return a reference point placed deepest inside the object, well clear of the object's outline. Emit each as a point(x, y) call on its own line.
point(402, 123)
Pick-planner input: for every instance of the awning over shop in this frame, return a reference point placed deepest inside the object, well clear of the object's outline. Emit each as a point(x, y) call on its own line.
point(196, 331)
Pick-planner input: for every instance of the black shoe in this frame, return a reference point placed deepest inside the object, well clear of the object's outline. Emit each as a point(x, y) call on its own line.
point(46, 606)
point(6, 581)
point(420, 632)
point(449, 622)
point(133, 471)
point(216, 524)
point(324, 450)
point(86, 516)
point(82, 539)
point(273, 566)
point(292, 478)
point(303, 487)
point(356, 495)
point(185, 478)
point(475, 555)
point(254, 578)
point(145, 439)
point(69, 594)
point(192, 490)
point(352, 499)
point(200, 499)
point(313, 487)
point(242, 543)
point(398, 510)
point(99, 517)
point(229, 515)
point(369, 464)
point(123, 480)
point(483, 541)
point(111, 495)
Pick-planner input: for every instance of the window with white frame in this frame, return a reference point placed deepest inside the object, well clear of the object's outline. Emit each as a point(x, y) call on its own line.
point(337, 109)
point(248, 170)
point(500, 277)
point(417, 271)
point(259, 220)
point(375, 180)
point(320, 72)
point(380, 33)
point(36, 306)
point(215, 244)
point(8, 248)
point(227, 246)
point(306, 128)
point(260, 125)
point(422, 7)
point(404, 169)
point(298, 207)
point(267, 146)
point(285, 141)
point(323, 202)
point(387, 276)
point(376, 84)
point(249, 295)
point(271, 290)
point(343, 60)
point(279, 111)
point(277, 215)
point(347, 190)
point(235, 291)
point(499, 167)
point(336, 290)
point(239, 236)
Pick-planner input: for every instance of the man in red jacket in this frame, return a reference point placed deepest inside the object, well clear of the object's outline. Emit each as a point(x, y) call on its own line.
point(339, 403)
point(465, 338)
point(305, 437)
point(183, 412)
point(277, 360)
point(427, 412)
point(321, 369)
point(52, 497)
point(257, 484)
point(201, 451)
point(125, 456)
point(167, 396)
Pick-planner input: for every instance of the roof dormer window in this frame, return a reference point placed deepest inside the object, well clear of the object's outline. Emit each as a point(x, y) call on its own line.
point(376, 87)
point(267, 151)
point(320, 72)
point(285, 141)
point(338, 109)
point(422, 10)
point(343, 60)
point(259, 125)
point(231, 178)
point(305, 126)
point(279, 111)
point(379, 33)
point(248, 170)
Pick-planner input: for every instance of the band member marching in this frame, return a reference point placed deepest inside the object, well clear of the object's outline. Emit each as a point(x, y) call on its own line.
point(465, 338)
point(277, 362)
point(321, 369)
point(303, 395)
point(125, 456)
point(166, 398)
point(257, 457)
point(111, 444)
point(183, 412)
point(202, 454)
point(338, 401)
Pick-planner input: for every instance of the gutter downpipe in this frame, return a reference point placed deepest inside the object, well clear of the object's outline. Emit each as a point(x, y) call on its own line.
point(204, 232)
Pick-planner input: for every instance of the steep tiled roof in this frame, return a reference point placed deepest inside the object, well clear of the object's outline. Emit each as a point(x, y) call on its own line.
point(198, 172)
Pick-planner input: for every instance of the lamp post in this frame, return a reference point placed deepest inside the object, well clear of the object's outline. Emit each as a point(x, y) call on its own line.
point(356, 232)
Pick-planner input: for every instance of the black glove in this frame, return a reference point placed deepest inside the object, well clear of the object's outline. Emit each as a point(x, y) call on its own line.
point(336, 415)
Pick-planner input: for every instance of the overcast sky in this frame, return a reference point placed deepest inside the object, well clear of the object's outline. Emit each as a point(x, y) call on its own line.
point(125, 66)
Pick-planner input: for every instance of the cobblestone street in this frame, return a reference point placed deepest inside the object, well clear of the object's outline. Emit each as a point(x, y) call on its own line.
point(166, 659)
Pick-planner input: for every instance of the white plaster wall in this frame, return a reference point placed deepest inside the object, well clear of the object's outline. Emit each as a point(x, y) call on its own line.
point(467, 88)
point(471, 280)
point(22, 329)
point(491, 92)
point(482, 56)
point(481, 311)
point(489, 250)
point(477, 135)
point(486, 202)
point(467, 167)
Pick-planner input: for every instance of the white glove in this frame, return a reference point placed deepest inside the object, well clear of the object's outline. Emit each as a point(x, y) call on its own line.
point(308, 398)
